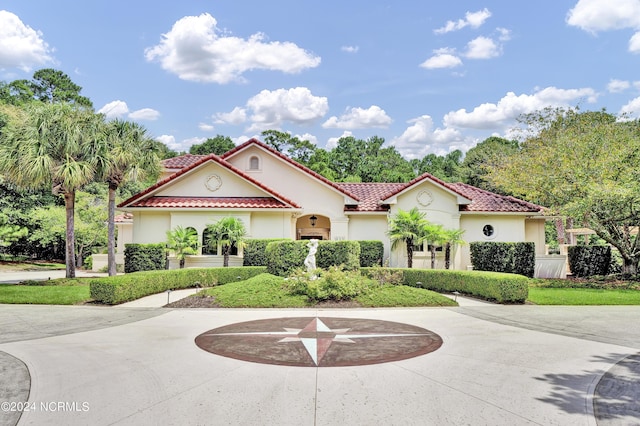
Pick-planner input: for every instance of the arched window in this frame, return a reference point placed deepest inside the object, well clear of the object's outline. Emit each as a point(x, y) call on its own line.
point(254, 163)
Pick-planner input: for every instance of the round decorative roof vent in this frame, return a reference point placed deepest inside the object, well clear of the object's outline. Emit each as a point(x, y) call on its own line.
point(213, 183)
point(424, 198)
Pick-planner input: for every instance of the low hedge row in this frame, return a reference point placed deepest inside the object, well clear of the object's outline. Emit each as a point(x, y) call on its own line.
point(586, 261)
point(123, 288)
point(495, 286)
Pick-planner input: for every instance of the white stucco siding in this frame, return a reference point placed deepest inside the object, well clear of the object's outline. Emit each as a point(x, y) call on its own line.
point(271, 225)
point(370, 227)
point(442, 209)
point(151, 227)
point(211, 180)
point(534, 232)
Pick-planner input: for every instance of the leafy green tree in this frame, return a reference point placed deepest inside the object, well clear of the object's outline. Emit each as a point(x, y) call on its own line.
point(10, 233)
point(447, 168)
point(582, 165)
point(451, 238)
point(54, 86)
point(292, 146)
point(218, 145)
point(129, 154)
point(407, 227)
point(227, 232)
point(183, 242)
point(55, 145)
point(480, 159)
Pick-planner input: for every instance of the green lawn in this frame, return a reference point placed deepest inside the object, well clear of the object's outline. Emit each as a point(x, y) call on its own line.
point(582, 296)
point(44, 294)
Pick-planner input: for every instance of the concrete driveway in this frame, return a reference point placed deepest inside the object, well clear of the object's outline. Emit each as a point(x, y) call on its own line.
point(498, 365)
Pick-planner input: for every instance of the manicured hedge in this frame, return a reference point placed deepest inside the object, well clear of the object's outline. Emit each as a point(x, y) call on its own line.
point(123, 288)
point(586, 261)
point(255, 251)
point(517, 258)
point(144, 257)
point(284, 257)
point(371, 253)
point(495, 286)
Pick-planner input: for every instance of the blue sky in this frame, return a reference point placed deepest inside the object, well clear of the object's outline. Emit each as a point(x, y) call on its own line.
point(429, 77)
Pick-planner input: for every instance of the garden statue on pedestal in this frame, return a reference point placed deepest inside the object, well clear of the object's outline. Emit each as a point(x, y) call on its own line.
point(310, 260)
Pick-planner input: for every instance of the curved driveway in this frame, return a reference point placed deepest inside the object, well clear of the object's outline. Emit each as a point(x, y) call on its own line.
point(498, 365)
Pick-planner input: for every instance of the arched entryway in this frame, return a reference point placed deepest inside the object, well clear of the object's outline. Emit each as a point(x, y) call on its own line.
point(313, 226)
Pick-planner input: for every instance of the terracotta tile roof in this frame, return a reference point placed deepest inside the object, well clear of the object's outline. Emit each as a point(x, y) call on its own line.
point(181, 162)
point(123, 218)
point(485, 201)
point(211, 202)
point(254, 141)
point(202, 160)
point(423, 177)
point(370, 195)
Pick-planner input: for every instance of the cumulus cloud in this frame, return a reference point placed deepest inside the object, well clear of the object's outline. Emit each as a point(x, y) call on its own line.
point(420, 138)
point(196, 50)
point(272, 108)
point(471, 19)
point(145, 114)
point(114, 109)
point(237, 116)
point(597, 15)
point(442, 58)
point(308, 137)
point(205, 127)
point(20, 45)
point(482, 48)
point(169, 141)
point(617, 86)
point(489, 115)
point(359, 118)
point(631, 109)
point(350, 49)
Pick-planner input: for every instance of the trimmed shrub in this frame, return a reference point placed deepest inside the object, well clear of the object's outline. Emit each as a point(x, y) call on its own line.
point(371, 253)
point(516, 258)
point(494, 286)
point(144, 257)
point(331, 284)
point(586, 261)
point(255, 251)
point(124, 288)
point(284, 257)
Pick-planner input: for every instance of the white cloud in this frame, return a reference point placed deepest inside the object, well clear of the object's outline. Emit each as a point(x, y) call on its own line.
point(504, 34)
point(196, 50)
point(205, 127)
point(599, 15)
point(235, 117)
point(333, 142)
point(471, 19)
point(359, 118)
point(502, 114)
point(145, 114)
point(631, 109)
point(114, 109)
point(297, 105)
point(482, 48)
point(350, 49)
point(442, 58)
point(617, 86)
point(20, 45)
point(169, 141)
point(420, 138)
point(308, 137)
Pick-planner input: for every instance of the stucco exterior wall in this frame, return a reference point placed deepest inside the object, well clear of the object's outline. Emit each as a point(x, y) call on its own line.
point(534, 232)
point(151, 226)
point(370, 227)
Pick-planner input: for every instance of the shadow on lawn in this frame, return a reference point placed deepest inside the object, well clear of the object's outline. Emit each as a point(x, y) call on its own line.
point(617, 393)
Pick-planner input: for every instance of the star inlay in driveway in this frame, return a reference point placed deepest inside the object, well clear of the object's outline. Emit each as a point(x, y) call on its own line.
point(321, 342)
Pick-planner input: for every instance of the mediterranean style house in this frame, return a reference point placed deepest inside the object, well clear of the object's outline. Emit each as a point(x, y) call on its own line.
point(276, 197)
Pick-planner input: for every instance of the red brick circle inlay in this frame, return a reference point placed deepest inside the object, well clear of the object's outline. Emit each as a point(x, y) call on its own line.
point(319, 342)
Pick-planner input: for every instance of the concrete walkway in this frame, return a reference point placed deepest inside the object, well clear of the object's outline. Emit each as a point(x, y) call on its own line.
point(498, 365)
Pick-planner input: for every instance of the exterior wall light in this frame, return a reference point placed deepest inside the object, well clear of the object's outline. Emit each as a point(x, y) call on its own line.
point(313, 220)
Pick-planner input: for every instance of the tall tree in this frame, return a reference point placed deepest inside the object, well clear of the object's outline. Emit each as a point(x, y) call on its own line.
point(480, 159)
point(407, 227)
point(218, 145)
point(583, 165)
point(227, 232)
point(54, 86)
point(56, 145)
point(129, 154)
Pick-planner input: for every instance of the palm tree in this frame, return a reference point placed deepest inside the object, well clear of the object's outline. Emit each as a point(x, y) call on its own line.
point(434, 236)
point(227, 232)
point(452, 238)
point(131, 154)
point(182, 241)
point(408, 228)
point(56, 145)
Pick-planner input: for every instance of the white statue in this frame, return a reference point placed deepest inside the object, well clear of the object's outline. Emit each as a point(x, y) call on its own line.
point(310, 260)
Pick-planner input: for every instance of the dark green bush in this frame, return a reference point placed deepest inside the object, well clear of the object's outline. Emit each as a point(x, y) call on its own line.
point(586, 261)
point(331, 284)
point(123, 288)
point(284, 257)
point(516, 258)
point(371, 253)
point(144, 257)
point(495, 286)
point(255, 251)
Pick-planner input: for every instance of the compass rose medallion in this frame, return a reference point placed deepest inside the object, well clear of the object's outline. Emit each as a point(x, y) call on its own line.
point(319, 342)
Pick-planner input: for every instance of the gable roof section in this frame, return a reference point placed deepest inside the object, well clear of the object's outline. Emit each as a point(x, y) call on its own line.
point(462, 199)
point(137, 200)
point(305, 169)
point(486, 201)
point(370, 195)
point(179, 163)
point(211, 202)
